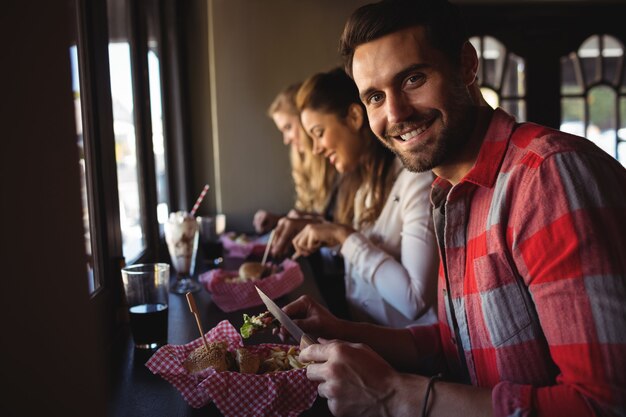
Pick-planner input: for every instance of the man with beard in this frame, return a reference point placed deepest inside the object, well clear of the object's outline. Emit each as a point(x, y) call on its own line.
point(532, 282)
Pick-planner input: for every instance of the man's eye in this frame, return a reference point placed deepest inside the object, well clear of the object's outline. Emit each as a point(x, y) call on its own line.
point(415, 79)
point(375, 98)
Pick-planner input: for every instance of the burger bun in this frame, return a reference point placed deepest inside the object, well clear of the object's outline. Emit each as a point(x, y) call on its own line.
point(200, 359)
point(252, 270)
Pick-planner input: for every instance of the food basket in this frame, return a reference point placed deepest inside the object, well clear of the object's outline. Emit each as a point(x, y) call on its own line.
point(280, 394)
point(236, 296)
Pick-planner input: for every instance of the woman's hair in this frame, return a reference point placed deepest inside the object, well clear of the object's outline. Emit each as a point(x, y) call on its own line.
point(442, 20)
point(334, 92)
point(313, 175)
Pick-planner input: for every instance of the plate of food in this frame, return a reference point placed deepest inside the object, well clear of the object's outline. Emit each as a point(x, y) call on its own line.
point(235, 290)
point(241, 245)
point(269, 376)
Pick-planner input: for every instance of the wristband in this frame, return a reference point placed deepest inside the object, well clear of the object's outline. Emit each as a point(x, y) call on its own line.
point(429, 388)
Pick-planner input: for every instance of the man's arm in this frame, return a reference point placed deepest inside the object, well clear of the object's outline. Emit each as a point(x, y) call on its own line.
point(356, 381)
point(399, 347)
point(572, 243)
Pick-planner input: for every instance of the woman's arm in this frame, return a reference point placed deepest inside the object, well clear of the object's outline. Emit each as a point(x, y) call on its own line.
point(408, 283)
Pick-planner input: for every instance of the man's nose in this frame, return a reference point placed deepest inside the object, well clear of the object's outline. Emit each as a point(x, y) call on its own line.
point(398, 109)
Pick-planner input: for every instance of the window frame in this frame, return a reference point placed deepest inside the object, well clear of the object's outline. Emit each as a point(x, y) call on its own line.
point(92, 40)
point(541, 33)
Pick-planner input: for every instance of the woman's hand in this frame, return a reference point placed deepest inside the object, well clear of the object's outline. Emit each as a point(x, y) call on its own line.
point(264, 221)
point(314, 236)
point(284, 232)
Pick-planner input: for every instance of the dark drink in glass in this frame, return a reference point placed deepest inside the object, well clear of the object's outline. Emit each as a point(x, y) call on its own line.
point(148, 323)
point(146, 287)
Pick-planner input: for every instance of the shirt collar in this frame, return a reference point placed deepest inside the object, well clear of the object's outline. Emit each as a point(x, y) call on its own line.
point(487, 166)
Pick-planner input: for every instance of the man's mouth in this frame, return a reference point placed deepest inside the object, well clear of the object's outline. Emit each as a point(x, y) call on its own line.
point(415, 131)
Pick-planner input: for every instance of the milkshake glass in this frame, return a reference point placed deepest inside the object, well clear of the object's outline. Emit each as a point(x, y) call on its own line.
point(181, 236)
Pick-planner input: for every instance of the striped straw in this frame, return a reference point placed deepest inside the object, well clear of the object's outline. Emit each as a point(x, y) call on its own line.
point(199, 200)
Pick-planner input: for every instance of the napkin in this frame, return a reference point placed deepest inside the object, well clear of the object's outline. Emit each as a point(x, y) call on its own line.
point(236, 249)
point(280, 394)
point(236, 296)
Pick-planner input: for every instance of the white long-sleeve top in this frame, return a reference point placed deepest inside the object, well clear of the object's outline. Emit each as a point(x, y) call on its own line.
point(391, 268)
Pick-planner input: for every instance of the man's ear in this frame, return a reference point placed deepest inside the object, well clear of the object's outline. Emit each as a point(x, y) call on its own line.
point(355, 117)
point(469, 63)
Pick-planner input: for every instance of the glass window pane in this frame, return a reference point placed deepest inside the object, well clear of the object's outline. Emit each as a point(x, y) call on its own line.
point(126, 150)
point(612, 52)
point(621, 153)
point(589, 53)
point(573, 116)
point(602, 118)
point(494, 54)
point(91, 278)
point(623, 89)
point(622, 116)
point(601, 101)
point(515, 107)
point(514, 83)
point(158, 145)
point(571, 82)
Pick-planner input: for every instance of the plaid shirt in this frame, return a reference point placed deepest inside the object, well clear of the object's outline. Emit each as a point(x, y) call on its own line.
point(533, 240)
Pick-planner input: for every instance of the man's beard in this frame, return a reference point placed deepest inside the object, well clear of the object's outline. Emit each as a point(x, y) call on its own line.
point(435, 150)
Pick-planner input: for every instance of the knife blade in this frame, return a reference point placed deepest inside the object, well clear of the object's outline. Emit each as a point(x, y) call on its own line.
point(293, 329)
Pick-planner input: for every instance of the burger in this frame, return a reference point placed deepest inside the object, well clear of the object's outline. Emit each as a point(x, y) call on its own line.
point(252, 271)
point(247, 362)
point(220, 359)
point(201, 358)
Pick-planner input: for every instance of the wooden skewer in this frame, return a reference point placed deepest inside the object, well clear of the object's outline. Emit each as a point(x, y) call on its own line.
point(194, 309)
point(267, 248)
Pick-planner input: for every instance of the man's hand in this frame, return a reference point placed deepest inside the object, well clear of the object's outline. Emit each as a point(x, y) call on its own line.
point(264, 221)
point(314, 319)
point(314, 236)
point(354, 379)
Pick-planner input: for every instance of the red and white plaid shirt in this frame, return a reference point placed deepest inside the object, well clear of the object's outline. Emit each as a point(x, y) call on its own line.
point(534, 245)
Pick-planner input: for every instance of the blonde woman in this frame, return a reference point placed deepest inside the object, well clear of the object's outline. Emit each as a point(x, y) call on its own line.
point(313, 176)
point(383, 221)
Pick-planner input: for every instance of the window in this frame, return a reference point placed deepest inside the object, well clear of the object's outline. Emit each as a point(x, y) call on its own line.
point(500, 76)
point(93, 285)
point(126, 154)
point(123, 75)
point(593, 94)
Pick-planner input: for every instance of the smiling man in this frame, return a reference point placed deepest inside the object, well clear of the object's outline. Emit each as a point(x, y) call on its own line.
point(530, 227)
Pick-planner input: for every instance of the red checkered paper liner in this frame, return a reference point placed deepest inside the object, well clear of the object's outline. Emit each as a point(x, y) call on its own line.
point(236, 249)
point(280, 394)
point(236, 296)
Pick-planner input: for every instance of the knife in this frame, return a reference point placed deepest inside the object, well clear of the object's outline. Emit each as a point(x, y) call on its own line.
point(304, 339)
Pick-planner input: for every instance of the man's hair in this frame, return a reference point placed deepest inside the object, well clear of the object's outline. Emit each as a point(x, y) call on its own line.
point(441, 19)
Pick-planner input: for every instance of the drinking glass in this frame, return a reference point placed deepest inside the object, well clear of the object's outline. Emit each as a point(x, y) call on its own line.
point(181, 236)
point(209, 242)
point(146, 290)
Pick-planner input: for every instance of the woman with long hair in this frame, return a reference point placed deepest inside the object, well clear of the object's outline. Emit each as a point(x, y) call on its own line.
point(312, 175)
point(383, 221)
